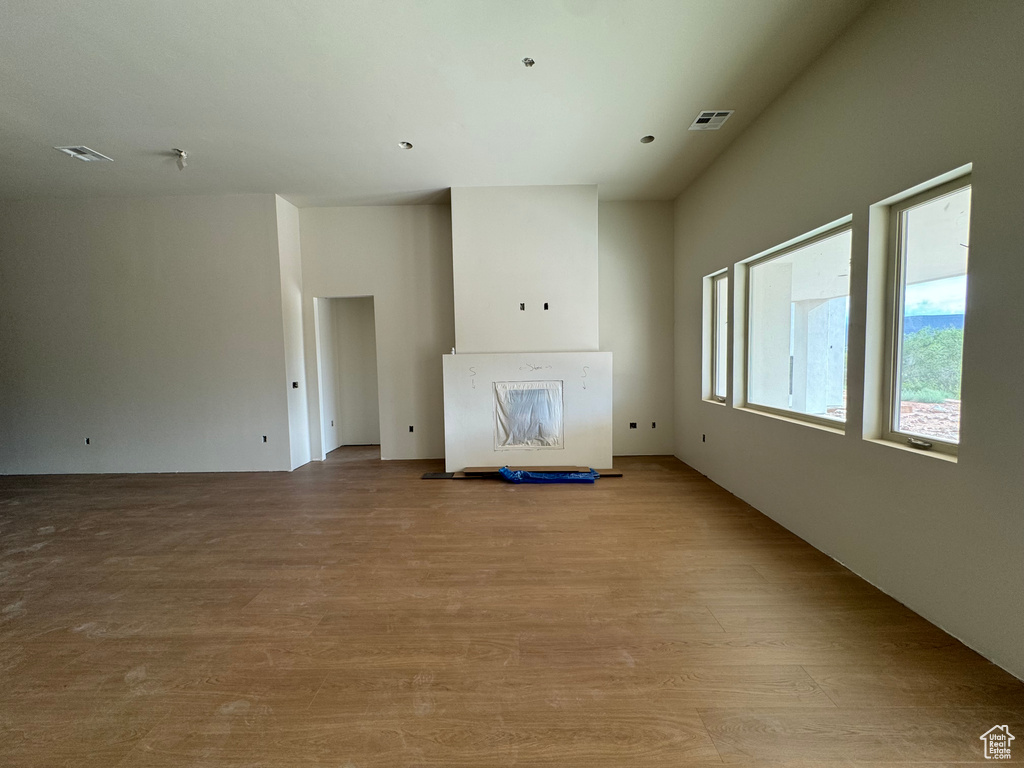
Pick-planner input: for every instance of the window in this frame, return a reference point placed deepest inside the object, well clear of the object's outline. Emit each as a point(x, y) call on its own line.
point(719, 335)
point(929, 241)
point(715, 370)
point(797, 319)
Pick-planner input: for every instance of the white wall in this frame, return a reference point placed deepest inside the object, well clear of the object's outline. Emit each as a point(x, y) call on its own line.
point(400, 255)
point(356, 360)
point(635, 248)
point(912, 90)
point(152, 326)
point(328, 370)
point(527, 245)
point(290, 257)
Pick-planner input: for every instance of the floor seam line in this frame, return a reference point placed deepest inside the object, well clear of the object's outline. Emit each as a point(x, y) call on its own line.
point(712, 738)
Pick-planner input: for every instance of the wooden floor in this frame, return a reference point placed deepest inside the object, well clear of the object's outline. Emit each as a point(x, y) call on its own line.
point(352, 615)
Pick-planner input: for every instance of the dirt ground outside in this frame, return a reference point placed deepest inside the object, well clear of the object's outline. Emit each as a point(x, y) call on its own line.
point(936, 420)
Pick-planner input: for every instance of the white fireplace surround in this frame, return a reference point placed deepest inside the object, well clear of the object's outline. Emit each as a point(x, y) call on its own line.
point(566, 420)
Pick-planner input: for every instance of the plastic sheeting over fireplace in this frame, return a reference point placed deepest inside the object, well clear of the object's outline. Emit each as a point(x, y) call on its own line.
point(528, 415)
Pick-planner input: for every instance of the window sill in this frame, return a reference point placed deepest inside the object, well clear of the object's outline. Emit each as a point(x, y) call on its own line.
point(712, 401)
point(835, 430)
point(916, 451)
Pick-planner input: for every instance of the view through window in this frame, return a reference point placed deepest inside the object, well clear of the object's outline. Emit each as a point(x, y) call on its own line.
point(932, 241)
point(720, 334)
point(798, 314)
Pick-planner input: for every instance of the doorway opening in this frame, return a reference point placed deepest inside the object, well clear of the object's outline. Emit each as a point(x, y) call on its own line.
point(347, 367)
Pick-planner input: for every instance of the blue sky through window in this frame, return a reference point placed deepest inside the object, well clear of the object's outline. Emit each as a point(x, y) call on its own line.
point(937, 297)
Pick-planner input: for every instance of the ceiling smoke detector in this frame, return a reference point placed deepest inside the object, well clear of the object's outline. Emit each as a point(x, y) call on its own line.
point(646, 139)
point(86, 154)
point(528, 62)
point(710, 119)
point(405, 144)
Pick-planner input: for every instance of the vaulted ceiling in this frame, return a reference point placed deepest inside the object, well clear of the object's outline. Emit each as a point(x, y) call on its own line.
point(310, 98)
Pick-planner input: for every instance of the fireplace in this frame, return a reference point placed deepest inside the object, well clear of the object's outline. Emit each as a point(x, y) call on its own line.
point(540, 409)
point(528, 386)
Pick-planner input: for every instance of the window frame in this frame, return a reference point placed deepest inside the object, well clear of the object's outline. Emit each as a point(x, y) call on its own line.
point(713, 362)
point(822, 233)
point(895, 299)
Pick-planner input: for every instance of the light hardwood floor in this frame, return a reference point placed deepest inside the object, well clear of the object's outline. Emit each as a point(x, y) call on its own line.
point(352, 615)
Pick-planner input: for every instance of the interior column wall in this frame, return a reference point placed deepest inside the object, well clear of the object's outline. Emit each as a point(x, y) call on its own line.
point(290, 257)
point(911, 91)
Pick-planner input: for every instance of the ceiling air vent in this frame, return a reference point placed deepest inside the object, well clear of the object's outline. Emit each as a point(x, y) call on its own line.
point(710, 119)
point(84, 153)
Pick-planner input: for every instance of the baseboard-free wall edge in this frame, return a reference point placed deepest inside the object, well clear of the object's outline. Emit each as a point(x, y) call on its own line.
point(985, 654)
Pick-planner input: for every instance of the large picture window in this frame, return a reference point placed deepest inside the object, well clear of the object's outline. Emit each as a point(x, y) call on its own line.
point(797, 319)
point(929, 242)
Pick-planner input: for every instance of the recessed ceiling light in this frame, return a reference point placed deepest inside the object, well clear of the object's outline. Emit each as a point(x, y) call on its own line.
point(84, 153)
point(528, 62)
point(405, 145)
point(646, 139)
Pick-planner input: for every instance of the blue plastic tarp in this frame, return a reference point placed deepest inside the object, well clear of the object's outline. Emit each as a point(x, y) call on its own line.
point(522, 476)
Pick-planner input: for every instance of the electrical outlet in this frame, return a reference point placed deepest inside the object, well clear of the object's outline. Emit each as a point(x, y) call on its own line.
point(632, 425)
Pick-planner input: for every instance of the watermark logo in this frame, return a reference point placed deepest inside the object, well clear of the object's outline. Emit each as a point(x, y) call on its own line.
point(997, 742)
